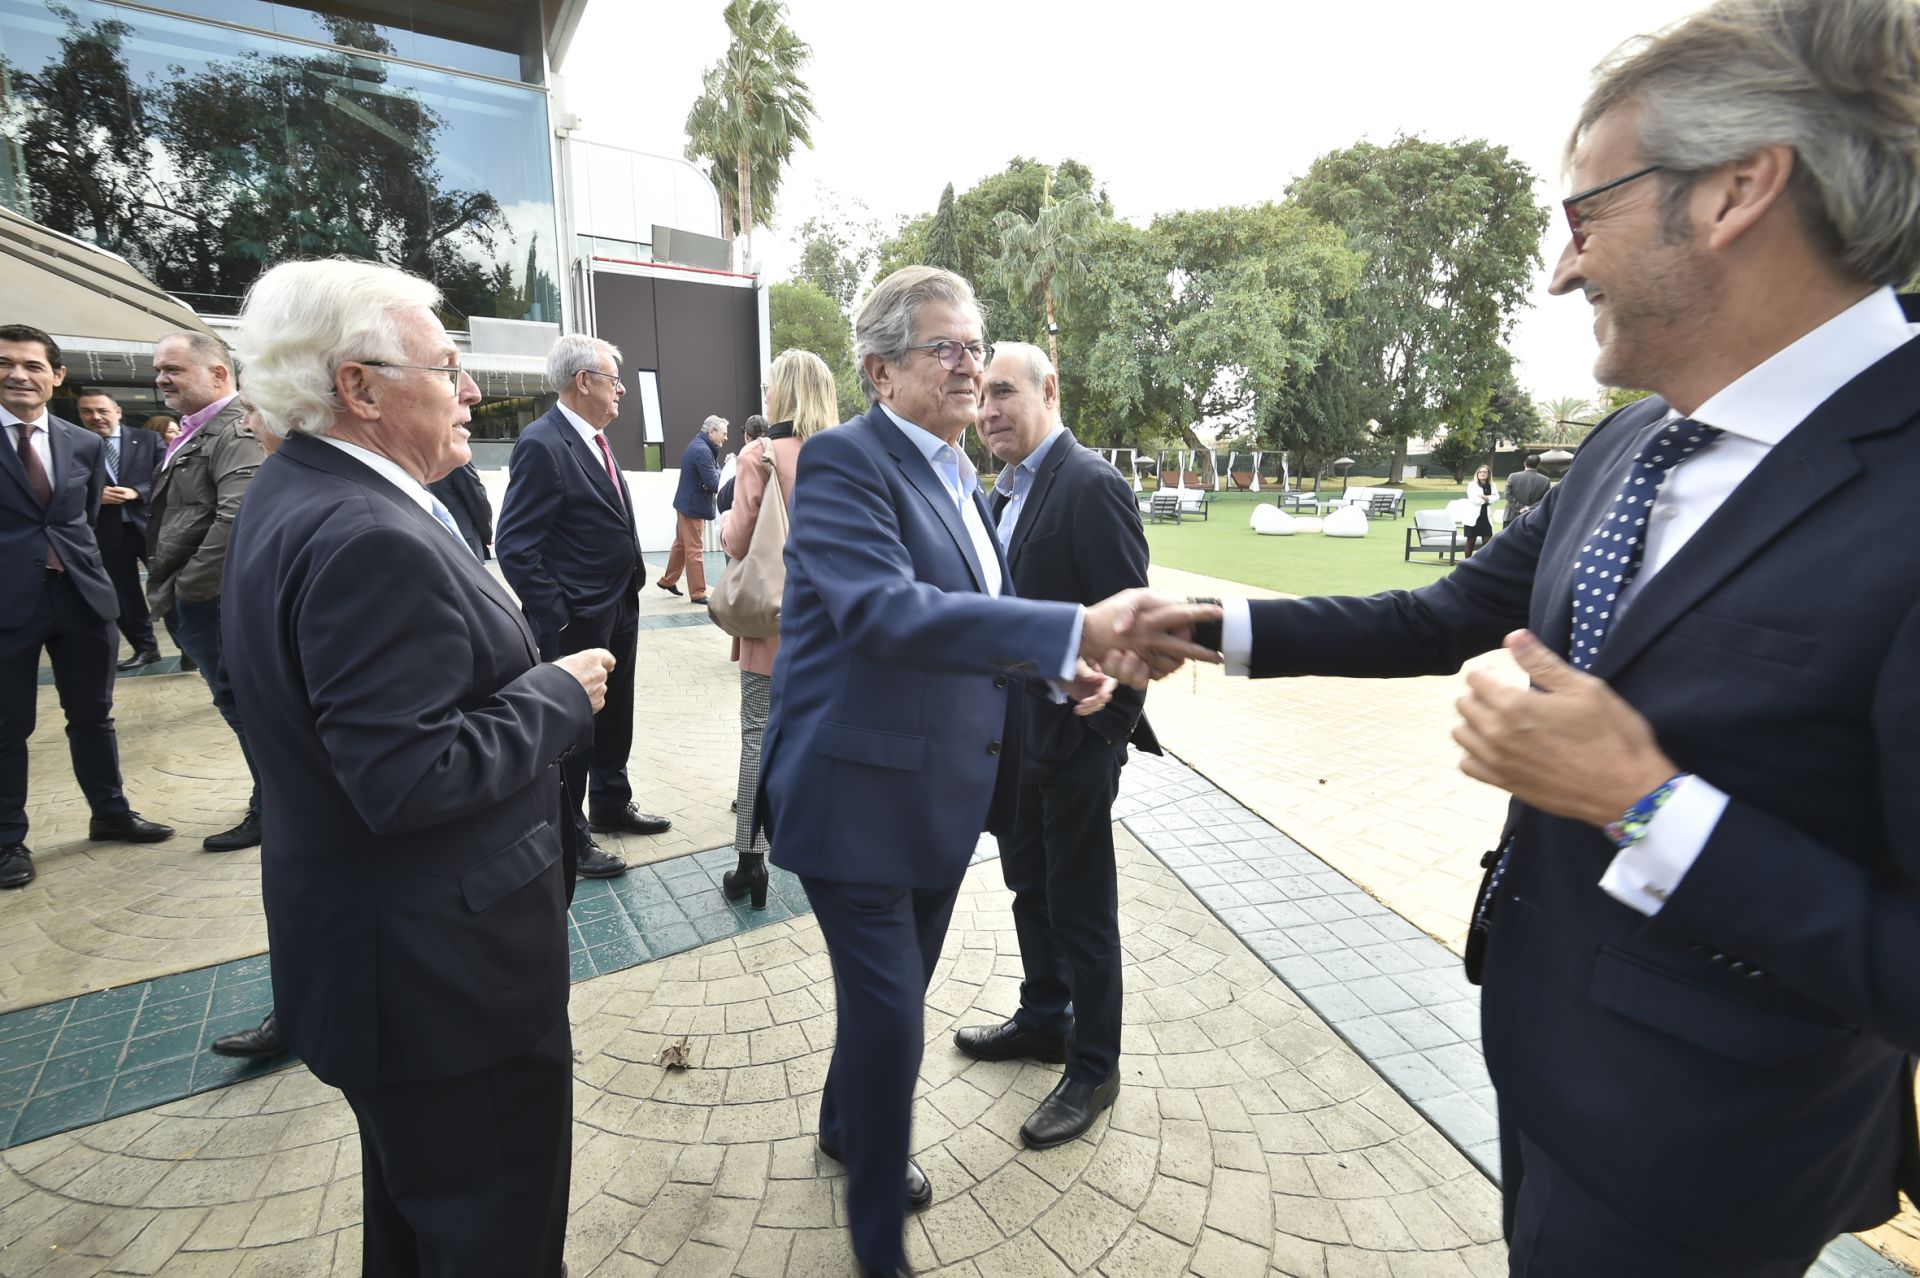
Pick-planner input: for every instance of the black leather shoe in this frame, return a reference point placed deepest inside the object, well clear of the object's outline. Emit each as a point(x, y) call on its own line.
point(16, 866)
point(127, 827)
point(244, 835)
point(627, 820)
point(919, 1188)
point(1067, 1112)
point(598, 863)
point(139, 659)
point(1009, 1041)
point(252, 1044)
point(672, 590)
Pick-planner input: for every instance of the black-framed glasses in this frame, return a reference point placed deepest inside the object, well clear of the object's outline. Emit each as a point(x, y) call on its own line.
point(612, 377)
point(948, 352)
point(453, 371)
point(1573, 214)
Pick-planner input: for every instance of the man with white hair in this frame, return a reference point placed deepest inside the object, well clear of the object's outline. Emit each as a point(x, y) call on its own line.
point(568, 547)
point(693, 506)
point(407, 737)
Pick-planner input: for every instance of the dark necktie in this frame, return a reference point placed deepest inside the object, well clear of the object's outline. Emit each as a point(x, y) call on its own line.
point(41, 485)
point(1611, 556)
point(613, 472)
point(113, 460)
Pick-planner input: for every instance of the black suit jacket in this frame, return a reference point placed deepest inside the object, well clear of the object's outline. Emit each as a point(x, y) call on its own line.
point(1736, 1070)
point(139, 456)
point(77, 478)
point(465, 497)
point(407, 741)
point(1079, 541)
point(566, 540)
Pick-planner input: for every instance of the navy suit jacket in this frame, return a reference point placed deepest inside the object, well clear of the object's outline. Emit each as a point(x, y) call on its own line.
point(889, 723)
point(566, 540)
point(1735, 1071)
point(406, 739)
point(77, 477)
point(1078, 539)
point(699, 480)
point(139, 457)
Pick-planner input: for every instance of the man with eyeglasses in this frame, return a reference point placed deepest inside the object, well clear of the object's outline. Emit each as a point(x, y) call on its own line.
point(568, 547)
point(1699, 929)
point(203, 477)
point(693, 507)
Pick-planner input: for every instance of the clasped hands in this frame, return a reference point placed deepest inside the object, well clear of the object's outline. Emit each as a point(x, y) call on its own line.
point(1138, 636)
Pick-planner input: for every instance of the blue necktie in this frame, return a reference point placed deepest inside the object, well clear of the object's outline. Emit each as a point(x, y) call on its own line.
point(445, 517)
point(1611, 556)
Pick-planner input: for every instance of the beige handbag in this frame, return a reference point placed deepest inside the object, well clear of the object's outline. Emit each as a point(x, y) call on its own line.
point(746, 601)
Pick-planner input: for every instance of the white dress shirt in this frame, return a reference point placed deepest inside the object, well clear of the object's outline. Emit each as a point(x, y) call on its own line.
point(390, 470)
point(41, 448)
point(1754, 412)
point(957, 476)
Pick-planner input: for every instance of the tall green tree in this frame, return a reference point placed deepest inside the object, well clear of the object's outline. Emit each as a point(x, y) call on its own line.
point(838, 248)
point(943, 248)
point(801, 317)
point(1044, 258)
point(752, 111)
point(1451, 237)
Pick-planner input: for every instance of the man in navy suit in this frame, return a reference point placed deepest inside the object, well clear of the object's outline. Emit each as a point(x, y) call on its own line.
point(129, 457)
point(693, 506)
point(464, 494)
point(1071, 531)
point(889, 734)
point(1701, 926)
point(407, 737)
point(567, 546)
point(54, 595)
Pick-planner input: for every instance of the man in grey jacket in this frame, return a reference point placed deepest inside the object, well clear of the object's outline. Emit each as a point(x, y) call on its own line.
point(202, 479)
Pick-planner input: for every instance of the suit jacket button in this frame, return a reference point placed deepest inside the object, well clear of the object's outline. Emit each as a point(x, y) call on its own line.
point(993, 747)
point(999, 681)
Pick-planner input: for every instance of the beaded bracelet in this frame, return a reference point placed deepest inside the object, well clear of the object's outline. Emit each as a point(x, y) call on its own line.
point(1634, 823)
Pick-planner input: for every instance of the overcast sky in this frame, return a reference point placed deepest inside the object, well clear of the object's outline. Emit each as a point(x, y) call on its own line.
point(1192, 105)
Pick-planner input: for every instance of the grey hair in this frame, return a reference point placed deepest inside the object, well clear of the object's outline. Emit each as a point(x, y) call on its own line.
point(302, 320)
point(713, 423)
point(885, 324)
point(1837, 80)
point(1032, 358)
point(208, 351)
point(577, 353)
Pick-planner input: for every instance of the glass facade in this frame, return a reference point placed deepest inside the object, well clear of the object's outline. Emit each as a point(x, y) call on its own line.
point(204, 154)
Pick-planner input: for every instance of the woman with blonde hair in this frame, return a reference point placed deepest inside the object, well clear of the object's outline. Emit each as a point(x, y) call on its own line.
point(800, 401)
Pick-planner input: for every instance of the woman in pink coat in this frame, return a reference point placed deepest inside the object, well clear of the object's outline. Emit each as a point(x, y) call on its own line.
point(800, 401)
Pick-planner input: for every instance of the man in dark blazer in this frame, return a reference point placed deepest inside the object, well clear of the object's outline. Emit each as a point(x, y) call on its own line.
point(55, 596)
point(568, 548)
point(1700, 929)
point(1525, 490)
point(1072, 532)
point(693, 506)
point(128, 457)
point(888, 741)
point(408, 738)
point(464, 495)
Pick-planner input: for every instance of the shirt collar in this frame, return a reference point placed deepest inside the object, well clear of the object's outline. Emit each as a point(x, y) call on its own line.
point(579, 424)
point(930, 445)
point(1031, 463)
point(1769, 400)
point(387, 469)
point(43, 421)
point(194, 421)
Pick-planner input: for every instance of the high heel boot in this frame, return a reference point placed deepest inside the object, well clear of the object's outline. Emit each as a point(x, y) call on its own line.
point(749, 879)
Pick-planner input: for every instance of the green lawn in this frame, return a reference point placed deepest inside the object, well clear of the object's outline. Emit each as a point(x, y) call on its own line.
point(1225, 545)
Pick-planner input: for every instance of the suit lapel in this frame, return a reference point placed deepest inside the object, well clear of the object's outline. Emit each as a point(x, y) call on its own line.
point(1805, 468)
point(1030, 508)
point(594, 464)
point(60, 448)
point(920, 474)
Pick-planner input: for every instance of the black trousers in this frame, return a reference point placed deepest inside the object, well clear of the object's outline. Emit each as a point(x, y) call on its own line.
point(82, 646)
point(122, 551)
point(602, 777)
point(467, 1177)
point(1556, 1228)
point(884, 943)
point(1058, 863)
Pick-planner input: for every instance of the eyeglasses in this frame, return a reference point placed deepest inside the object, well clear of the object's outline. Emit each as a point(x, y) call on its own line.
point(949, 352)
point(1573, 217)
point(612, 377)
point(453, 371)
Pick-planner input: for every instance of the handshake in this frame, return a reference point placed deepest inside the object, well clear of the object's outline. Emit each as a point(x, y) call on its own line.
point(1138, 635)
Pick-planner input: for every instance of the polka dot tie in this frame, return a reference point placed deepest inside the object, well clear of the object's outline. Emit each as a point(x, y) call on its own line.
point(1611, 555)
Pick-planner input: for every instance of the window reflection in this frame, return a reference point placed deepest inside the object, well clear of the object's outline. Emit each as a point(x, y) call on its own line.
point(204, 154)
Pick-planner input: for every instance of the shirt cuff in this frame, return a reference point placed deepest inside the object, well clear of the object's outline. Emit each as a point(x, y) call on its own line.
point(1072, 663)
point(1236, 636)
point(1643, 876)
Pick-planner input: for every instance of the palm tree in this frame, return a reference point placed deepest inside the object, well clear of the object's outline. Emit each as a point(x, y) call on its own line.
point(752, 109)
point(1043, 259)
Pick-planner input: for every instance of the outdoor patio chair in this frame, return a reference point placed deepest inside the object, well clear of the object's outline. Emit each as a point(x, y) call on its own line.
point(1164, 507)
point(1433, 533)
point(1193, 501)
